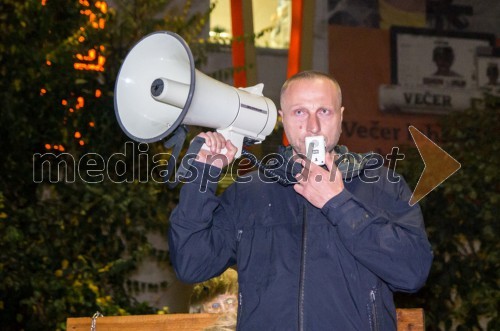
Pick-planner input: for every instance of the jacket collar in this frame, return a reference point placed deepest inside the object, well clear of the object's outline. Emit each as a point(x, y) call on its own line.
point(350, 164)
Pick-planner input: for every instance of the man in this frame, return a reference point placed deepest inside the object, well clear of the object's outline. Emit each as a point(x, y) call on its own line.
point(318, 254)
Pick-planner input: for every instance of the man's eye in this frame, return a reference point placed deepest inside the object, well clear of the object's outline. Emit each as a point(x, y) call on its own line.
point(324, 111)
point(215, 305)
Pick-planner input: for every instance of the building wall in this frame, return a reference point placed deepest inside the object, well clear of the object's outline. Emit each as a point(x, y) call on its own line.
point(359, 58)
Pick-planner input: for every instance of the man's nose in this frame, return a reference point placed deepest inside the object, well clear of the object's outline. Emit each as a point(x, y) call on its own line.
point(313, 125)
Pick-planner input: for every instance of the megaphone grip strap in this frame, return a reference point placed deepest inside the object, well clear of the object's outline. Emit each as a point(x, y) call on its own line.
point(186, 162)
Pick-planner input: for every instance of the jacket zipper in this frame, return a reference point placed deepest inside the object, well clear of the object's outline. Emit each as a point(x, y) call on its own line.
point(240, 295)
point(302, 270)
point(240, 308)
point(373, 312)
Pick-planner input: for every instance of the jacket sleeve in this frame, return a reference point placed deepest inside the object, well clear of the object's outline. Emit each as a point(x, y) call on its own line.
point(201, 239)
point(383, 232)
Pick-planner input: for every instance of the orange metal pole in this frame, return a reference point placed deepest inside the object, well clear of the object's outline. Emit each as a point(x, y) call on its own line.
point(238, 44)
point(295, 44)
point(295, 37)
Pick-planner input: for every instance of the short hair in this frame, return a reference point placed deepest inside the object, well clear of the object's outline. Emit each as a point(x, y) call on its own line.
point(310, 74)
point(227, 282)
point(445, 53)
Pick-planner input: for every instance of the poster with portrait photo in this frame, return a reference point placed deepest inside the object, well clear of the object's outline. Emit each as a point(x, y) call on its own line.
point(425, 57)
point(488, 67)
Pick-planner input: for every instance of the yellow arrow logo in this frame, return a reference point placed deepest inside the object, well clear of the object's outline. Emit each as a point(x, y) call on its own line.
point(438, 165)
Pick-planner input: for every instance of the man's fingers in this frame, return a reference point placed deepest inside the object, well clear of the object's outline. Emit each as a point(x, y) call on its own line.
point(231, 149)
point(214, 141)
point(330, 161)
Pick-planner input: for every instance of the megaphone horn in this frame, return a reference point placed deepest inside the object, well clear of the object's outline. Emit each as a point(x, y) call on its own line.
point(158, 89)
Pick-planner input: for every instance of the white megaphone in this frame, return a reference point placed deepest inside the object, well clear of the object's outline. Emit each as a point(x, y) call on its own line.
point(158, 89)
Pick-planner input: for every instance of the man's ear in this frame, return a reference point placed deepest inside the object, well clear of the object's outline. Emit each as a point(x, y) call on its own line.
point(280, 113)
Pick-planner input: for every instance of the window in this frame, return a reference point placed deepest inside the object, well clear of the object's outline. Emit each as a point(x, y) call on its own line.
point(271, 21)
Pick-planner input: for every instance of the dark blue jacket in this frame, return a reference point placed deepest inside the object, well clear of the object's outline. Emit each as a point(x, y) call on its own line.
point(300, 267)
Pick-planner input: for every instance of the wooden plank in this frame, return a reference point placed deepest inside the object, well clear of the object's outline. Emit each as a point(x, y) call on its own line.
point(167, 322)
point(410, 319)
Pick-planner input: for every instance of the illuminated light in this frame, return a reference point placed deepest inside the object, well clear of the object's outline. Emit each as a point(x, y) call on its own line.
point(64, 102)
point(92, 54)
point(98, 93)
point(81, 39)
point(48, 146)
point(102, 48)
point(81, 142)
point(56, 147)
point(71, 110)
point(48, 62)
point(91, 124)
point(61, 148)
point(101, 60)
point(102, 5)
point(82, 28)
point(78, 135)
point(84, 2)
point(85, 66)
point(102, 22)
point(43, 91)
point(81, 102)
point(95, 25)
point(44, 2)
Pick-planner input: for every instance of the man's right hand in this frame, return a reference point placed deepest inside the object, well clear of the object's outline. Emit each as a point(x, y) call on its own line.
point(213, 151)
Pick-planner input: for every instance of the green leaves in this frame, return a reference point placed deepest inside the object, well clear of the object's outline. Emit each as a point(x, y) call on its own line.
point(67, 247)
point(462, 224)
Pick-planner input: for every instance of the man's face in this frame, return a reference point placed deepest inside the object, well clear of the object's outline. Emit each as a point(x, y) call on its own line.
point(311, 107)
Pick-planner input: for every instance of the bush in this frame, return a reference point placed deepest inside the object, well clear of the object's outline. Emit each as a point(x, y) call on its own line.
point(461, 215)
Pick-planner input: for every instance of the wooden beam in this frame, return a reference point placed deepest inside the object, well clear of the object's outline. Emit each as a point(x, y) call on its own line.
point(168, 322)
point(409, 319)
